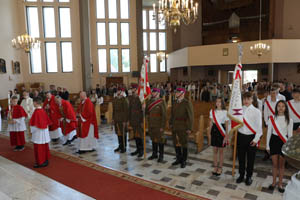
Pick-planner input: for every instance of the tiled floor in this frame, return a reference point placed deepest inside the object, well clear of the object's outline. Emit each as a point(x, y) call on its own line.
point(196, 178)
point(18, 182)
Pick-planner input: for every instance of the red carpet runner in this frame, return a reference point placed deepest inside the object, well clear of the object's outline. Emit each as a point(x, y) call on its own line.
point(92, 182)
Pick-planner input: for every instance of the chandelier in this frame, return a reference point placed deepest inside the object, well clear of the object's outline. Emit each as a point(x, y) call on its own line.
point(175, 11)
point(161, 56)
point(25, 42)
point(260, 48)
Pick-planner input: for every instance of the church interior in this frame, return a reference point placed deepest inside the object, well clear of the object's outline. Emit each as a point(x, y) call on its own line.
point(123, 99)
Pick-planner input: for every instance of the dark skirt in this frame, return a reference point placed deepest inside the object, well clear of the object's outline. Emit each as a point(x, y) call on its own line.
point(216, 137)
point(296, 126)
point(275, 145)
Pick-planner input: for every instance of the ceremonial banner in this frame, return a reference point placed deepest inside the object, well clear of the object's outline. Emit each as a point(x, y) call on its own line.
point(144, 86)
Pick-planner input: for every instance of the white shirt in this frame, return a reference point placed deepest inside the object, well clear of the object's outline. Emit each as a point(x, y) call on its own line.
point(18, 126)
point(296, 106)
point(279, 97)
point(260, 105)
point(284, 128)
point(100, 100)
point(221, 116)
point(40, 136)
point(253, 117)
point(267, 112)
point(28, 106)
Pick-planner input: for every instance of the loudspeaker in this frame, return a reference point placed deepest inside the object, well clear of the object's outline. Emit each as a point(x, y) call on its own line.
point(135, 74)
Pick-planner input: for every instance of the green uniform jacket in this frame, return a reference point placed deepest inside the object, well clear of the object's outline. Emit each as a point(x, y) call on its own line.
point(120, 109)
point(157, 117)
point(135, 111)
point(182, 115)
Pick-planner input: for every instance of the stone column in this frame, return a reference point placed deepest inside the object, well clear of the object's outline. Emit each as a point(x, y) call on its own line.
point(271, 72)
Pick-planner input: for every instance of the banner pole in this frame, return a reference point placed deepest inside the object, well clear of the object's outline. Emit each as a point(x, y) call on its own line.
point(234, 153)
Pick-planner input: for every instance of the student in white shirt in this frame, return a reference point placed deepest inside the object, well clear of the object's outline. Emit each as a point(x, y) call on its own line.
point(294, 110)
point(248, 136)
point(280, 128)
point(269, 104)
point(218, 129)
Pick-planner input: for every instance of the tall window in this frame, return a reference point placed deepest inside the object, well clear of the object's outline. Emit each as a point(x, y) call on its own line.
point(50, 22)
point(154, 41)
point(113, 35)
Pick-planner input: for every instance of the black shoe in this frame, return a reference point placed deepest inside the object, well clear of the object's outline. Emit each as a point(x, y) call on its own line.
point(248, 181)
point(183, 164)
point(55, 140)
point(21, 148)
point(271, 187)
point(177, 162)
point(74, 138)
point(281, 189)
point(141, 153)
point(67, 142)
point(140, 148)
point(45, 164)
point(80, 152)
point(16, 148)
point(152, 157)
point(240, 179)
point(91, 150)
point(136, 152)
point(161, 153)
point(117, 149)
point(36, 166)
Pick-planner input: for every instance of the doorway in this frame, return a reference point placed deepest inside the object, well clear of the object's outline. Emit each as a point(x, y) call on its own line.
point(249, 76)
point(114, 81)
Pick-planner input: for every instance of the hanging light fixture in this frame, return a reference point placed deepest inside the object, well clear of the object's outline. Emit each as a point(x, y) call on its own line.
point(25, 42)
point(175, 11)
point(260, 48)
point(161, 56)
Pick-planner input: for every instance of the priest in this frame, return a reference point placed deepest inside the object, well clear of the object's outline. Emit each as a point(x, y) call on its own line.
point(16, 124)
point(68, 121)
point(39, 123)
point(27, 104)
point(88, 133)
point(53, 112)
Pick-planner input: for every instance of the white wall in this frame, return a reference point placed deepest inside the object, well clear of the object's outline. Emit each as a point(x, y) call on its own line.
point(9, 29)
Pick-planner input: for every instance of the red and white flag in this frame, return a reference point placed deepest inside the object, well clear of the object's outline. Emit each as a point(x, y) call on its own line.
point(144, 87)
point(235, 110)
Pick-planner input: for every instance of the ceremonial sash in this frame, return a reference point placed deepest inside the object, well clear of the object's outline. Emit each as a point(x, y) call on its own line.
point(220, 127)
point(281, 136)
point(270, 108)
point(152, 105)
point(251, 129)
point(293, 109)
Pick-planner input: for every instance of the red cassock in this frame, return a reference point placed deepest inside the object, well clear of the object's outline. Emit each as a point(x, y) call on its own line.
point(87, 111)
point(68, 114)
point(39, 123)
point(16, 131)
point(53, 113)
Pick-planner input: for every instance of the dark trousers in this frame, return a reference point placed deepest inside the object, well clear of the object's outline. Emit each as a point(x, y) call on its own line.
point(245, 150)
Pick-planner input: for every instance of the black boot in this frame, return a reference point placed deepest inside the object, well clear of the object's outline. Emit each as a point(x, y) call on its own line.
point(124, 143)
point(184, 157)
point(161, 153)
point(137, 147)
point(119, 141)
point(141, 147)
point(178, 156)
point(154, 151)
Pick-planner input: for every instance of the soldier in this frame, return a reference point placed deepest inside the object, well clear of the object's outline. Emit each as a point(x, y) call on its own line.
point(136, 120)
point(120, 119)
point(156, 112)
point(181, 123)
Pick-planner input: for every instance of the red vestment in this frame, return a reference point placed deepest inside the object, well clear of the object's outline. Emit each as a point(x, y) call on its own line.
point(17, 138)
point(87, 112)
point(53, 113)
point(40, 119)
point(67, 112)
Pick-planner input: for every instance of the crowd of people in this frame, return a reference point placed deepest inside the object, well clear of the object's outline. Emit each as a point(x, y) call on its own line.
point(273, 105)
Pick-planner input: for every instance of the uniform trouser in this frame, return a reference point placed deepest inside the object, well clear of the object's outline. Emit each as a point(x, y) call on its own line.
point(156, 135)
point(180, 138)
point(121, 133)
point(245, 149)
point(137, 131)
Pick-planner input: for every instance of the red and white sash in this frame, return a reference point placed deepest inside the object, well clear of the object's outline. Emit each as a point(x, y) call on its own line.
point(293, 109)
point(251, 129)
point(219, 126)
point(270, 107)
point(281, 136)
point(152, 105)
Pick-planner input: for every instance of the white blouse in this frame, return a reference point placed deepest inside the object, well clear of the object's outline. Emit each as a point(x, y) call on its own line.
point(40, 136)
point(221, 116)
point(296, 106)
point(283, 127)
point(18, 126)
point(267, 112)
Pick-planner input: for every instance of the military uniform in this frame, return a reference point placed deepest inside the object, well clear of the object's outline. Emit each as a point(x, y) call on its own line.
point(135, 121)
point(120, 117)
point(181, 121)
point(156, 115)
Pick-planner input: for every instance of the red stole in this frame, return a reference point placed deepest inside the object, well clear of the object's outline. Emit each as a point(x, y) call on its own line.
point(293, 109)
point(152, 105)
point(87, 111)
point(68, 113)
point(18, 112)
point(53, 113)
point(281, 136)
point(270, 107)
point(39, 119)
point(219, 126)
